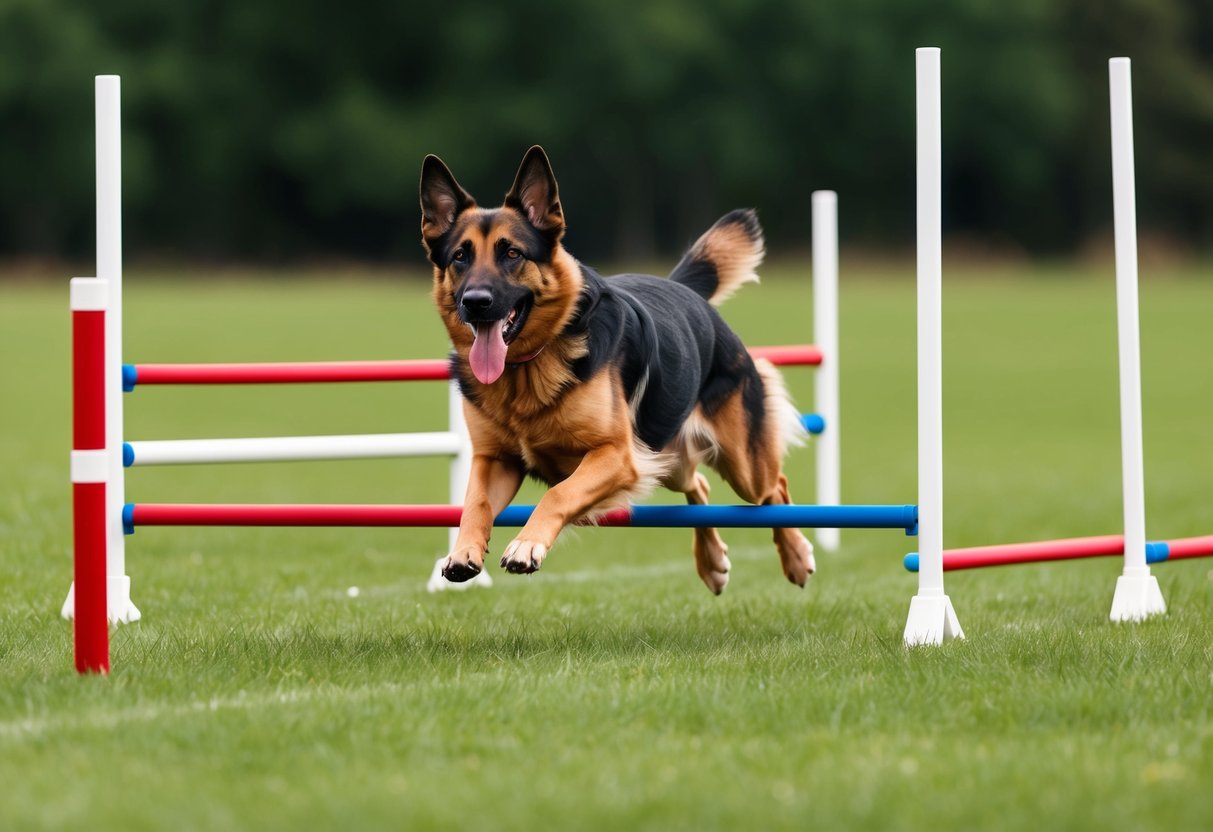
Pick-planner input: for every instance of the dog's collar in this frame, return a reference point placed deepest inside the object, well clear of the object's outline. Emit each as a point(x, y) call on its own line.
point(526, 358)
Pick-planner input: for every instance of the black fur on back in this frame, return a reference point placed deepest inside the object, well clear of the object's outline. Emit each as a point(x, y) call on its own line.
point(673, 350)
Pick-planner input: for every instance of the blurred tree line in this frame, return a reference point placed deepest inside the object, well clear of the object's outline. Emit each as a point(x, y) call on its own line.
point(266, 130)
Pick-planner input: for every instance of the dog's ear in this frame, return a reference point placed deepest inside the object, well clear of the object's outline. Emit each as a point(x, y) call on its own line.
point(441, 199)
point(535, 193)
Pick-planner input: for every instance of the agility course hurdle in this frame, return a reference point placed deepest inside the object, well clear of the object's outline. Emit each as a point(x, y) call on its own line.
point(99, 462)
point(1137, 595)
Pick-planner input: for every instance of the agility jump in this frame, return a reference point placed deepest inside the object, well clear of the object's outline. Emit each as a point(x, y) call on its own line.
point(101, 517)
point(101, 453)
point(1137, 595)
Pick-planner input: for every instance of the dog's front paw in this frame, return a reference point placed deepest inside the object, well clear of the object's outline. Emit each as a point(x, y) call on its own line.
point(523, 557)
point(463, 564)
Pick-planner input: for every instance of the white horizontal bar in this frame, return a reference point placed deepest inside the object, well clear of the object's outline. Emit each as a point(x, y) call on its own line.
point(293, 448)
point(89, 466)
point(89, 294)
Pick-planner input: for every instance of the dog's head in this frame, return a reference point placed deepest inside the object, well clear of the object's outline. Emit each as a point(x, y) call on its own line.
point(502, 281)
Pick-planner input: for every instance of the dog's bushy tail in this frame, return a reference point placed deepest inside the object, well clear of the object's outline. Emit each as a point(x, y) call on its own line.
point(723, 258)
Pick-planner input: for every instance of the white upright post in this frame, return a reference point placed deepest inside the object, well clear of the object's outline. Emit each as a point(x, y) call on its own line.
point(932, 619)
point(461, 464)
point(109, 268)
point(1138, 595)
point(825, 334)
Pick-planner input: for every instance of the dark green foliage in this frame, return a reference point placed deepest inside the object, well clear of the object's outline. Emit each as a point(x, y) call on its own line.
point(275, 130)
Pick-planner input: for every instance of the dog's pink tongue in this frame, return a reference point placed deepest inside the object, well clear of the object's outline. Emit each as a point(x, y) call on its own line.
point(488, 352)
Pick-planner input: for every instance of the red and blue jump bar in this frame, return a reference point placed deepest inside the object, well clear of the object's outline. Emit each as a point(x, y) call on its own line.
point(1074, 548)
point(793, 516)
point(352, 371)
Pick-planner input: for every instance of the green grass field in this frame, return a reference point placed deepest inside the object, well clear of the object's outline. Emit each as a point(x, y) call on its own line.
point(611, 690)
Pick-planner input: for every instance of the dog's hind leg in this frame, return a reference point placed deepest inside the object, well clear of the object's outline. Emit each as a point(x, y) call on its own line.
point(697, 444)
point(711, 553)
point(752, 440)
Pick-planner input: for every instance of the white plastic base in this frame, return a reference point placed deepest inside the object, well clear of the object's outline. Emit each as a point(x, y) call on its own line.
point(118, 601)
point(932, 620)
point(1137, 597)
point(437, 583)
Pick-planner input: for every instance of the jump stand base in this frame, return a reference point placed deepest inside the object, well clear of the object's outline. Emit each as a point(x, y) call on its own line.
point(1137, 597)
point(932, 620)
point(437, 583)
point(118, 601)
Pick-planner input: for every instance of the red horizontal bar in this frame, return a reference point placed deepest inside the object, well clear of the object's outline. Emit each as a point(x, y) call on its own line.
point(799, 356)
point(243, 514)
point(184, 514)
point(346, 371)
point(1078, 547)
point(1190, 547)
point(293, 372)
point(1070, 549)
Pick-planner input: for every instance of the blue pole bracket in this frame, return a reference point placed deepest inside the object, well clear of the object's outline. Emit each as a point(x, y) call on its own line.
point(814, 423)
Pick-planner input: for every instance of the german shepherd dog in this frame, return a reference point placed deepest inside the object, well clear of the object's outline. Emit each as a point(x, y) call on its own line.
point(599, 387)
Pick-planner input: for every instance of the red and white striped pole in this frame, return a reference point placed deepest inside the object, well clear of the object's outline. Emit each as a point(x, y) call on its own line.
point(89, 468)
point(109, 269)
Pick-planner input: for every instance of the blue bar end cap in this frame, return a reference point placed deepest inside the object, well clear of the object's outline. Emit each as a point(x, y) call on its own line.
point(814, 423)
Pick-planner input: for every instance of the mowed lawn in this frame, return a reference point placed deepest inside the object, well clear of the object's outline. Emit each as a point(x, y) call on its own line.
point(612, 690)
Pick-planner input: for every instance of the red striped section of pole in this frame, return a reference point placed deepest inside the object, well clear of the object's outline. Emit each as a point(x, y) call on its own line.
point(352, 371)
point(89, 467)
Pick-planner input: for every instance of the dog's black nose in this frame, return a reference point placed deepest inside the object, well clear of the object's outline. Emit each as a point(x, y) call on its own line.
point(477, 301)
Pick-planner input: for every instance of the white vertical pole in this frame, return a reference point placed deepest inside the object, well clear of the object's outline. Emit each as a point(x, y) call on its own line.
point(461, 462)
point(931, 619)
point(1137, 594)
point(461, 466)
point(825, 335)
point(109, 268)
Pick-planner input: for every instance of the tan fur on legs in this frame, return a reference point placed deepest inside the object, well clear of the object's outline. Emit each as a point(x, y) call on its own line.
point(603, 471)
point(695, 444)
point(493, 479)
point(795, 550)
point(711, 553)
point(757, 477)
point(491, 485)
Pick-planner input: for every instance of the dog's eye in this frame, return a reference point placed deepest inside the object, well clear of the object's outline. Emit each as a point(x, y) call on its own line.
point(459, 256)
point(513, 253)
